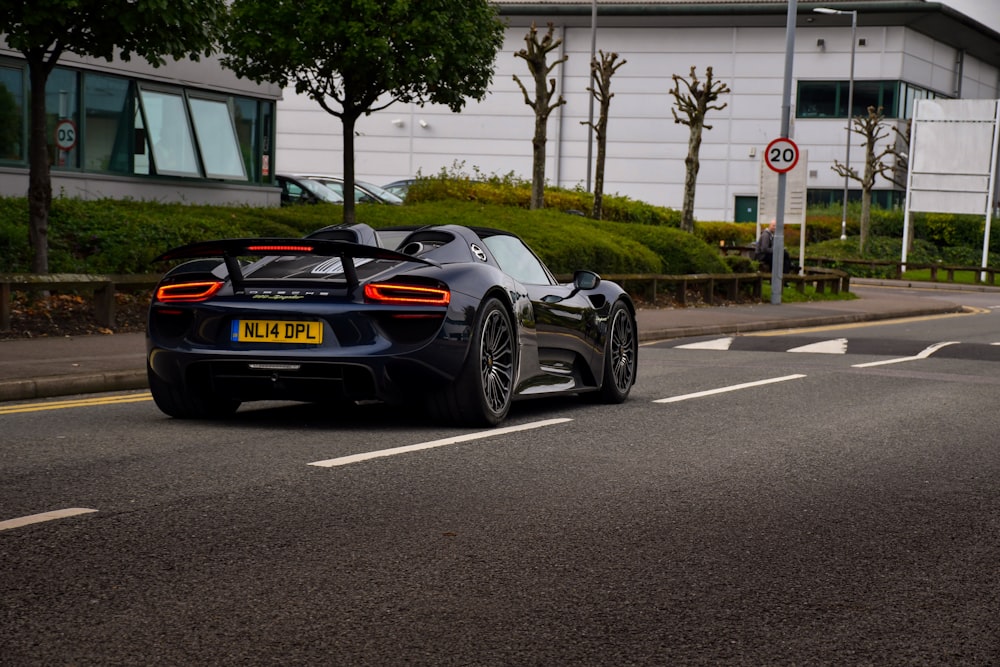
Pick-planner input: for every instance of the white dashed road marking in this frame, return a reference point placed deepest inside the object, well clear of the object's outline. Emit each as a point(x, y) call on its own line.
point(722, 390)
point(716, 344)
point(835, 346)
point(926, 352)
point(345, 460)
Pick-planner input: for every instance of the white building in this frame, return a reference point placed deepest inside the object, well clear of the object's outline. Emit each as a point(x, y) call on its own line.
point(904, 50)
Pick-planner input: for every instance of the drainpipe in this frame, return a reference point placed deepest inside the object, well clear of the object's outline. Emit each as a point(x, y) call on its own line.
point(959, 73)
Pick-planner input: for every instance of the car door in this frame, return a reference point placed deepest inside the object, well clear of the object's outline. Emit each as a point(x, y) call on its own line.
point(564, 316)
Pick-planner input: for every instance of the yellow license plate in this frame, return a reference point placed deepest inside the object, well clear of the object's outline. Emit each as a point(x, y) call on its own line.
point(276, 331)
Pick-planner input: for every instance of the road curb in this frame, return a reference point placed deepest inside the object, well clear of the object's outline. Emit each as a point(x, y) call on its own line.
point(66, 385)
point(799, 323)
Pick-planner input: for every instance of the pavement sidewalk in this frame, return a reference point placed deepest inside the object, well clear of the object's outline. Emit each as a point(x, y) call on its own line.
point(46, 367)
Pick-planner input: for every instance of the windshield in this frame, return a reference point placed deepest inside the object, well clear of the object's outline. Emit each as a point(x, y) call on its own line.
point(381, 192)
point(322, 192)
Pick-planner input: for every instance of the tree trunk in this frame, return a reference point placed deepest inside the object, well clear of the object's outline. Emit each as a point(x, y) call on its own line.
point(692, 165)
point(602, 143)
point(349, 122)
point(39, 179)
point(866, 214)
point(538, 162)
point(599, 179)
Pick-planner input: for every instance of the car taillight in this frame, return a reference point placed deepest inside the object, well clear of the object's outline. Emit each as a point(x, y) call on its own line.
point(188, 292)
point(414, 295)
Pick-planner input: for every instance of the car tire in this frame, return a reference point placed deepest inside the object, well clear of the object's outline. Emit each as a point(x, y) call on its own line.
point(185, 402)
point(481, 394)
point(621, 355)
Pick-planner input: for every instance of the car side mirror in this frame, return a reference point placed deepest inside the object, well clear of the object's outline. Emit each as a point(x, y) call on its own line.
point(586, 280)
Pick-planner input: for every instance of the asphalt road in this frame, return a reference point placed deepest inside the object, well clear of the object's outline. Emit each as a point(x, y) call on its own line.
point(750, 505)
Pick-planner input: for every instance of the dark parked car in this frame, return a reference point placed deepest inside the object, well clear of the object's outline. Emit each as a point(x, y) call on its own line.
point(301, 190)
point(364, 193)
point(400, 188)
point(461, 320)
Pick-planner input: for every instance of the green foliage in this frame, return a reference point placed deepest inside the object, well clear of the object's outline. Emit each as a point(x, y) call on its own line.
point(680, 252)
point(122, 236)
point(355, 53)
point(103, 29)
point(741, 264)
point(726, 233)
point(510, 190)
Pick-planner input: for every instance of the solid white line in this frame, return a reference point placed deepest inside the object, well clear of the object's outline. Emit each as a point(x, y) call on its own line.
point(722, 390)
point(923, 355)
point(44, 516)
point(345, 460)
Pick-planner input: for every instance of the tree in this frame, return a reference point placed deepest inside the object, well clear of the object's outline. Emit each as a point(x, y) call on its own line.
point(694, 103)
point(353, 57)
point(43, 30)
point(872, 128)
point(536, 55)
point(602, 72)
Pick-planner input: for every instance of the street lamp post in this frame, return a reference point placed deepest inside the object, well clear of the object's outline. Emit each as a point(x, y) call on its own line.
point(850, 107)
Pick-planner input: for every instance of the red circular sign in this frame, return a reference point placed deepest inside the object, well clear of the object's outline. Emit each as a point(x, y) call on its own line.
point(66, 134)
point(781, 155)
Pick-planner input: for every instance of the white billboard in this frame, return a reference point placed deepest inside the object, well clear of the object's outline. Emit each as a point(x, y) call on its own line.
point(953, 160)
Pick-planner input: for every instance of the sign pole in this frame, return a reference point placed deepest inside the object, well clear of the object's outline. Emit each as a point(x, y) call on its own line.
point(777, 260)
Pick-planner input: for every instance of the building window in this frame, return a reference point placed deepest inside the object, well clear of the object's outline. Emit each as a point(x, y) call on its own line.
point(253, 120)
point(102, 123)
point(62, 107)
point(12, 127)
point(828, 99)
point(167, 133)
point(213, 126)
point(107, 134)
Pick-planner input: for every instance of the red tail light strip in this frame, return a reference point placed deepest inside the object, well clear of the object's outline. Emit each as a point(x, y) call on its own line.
point(407, 294)
point(188, 292)
point(280, 248)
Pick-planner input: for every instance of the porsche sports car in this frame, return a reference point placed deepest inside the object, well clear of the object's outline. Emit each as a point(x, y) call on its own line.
point(464, 320)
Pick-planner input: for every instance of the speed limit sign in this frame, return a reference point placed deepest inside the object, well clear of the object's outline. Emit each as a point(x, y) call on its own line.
point(66, 134)
point(781, 155)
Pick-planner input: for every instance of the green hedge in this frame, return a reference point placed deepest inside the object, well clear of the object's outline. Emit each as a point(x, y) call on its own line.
point(122, 236)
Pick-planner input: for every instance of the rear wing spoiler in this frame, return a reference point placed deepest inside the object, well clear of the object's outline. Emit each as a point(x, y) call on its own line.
point(231, 249)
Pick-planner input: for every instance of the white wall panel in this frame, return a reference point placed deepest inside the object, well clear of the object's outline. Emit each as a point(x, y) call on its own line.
point(646, 151)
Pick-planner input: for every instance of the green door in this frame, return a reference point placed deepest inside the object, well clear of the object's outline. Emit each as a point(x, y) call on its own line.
point(746, 209)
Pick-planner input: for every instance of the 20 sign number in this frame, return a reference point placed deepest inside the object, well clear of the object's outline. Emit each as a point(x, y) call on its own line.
point(781, 155)
point(66, 135)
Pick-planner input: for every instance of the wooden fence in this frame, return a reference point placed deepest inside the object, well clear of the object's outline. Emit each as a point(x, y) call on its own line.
point(712, 288)
point(101, 288)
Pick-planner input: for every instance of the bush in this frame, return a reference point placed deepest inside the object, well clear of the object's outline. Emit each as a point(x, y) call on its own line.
point(679, 252)
point(509, 190)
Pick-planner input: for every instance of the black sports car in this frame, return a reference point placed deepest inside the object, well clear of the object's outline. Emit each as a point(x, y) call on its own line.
point(464, 319)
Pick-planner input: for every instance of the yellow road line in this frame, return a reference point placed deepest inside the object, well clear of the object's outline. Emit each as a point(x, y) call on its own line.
point(79, 403)
point(969, 310)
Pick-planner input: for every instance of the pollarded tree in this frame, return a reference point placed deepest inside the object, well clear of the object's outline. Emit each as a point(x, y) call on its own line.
point(602, 71)
point(694, 102)
point(536, 55)
point(353, 57)
point(43, 30)
point(873, 129)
